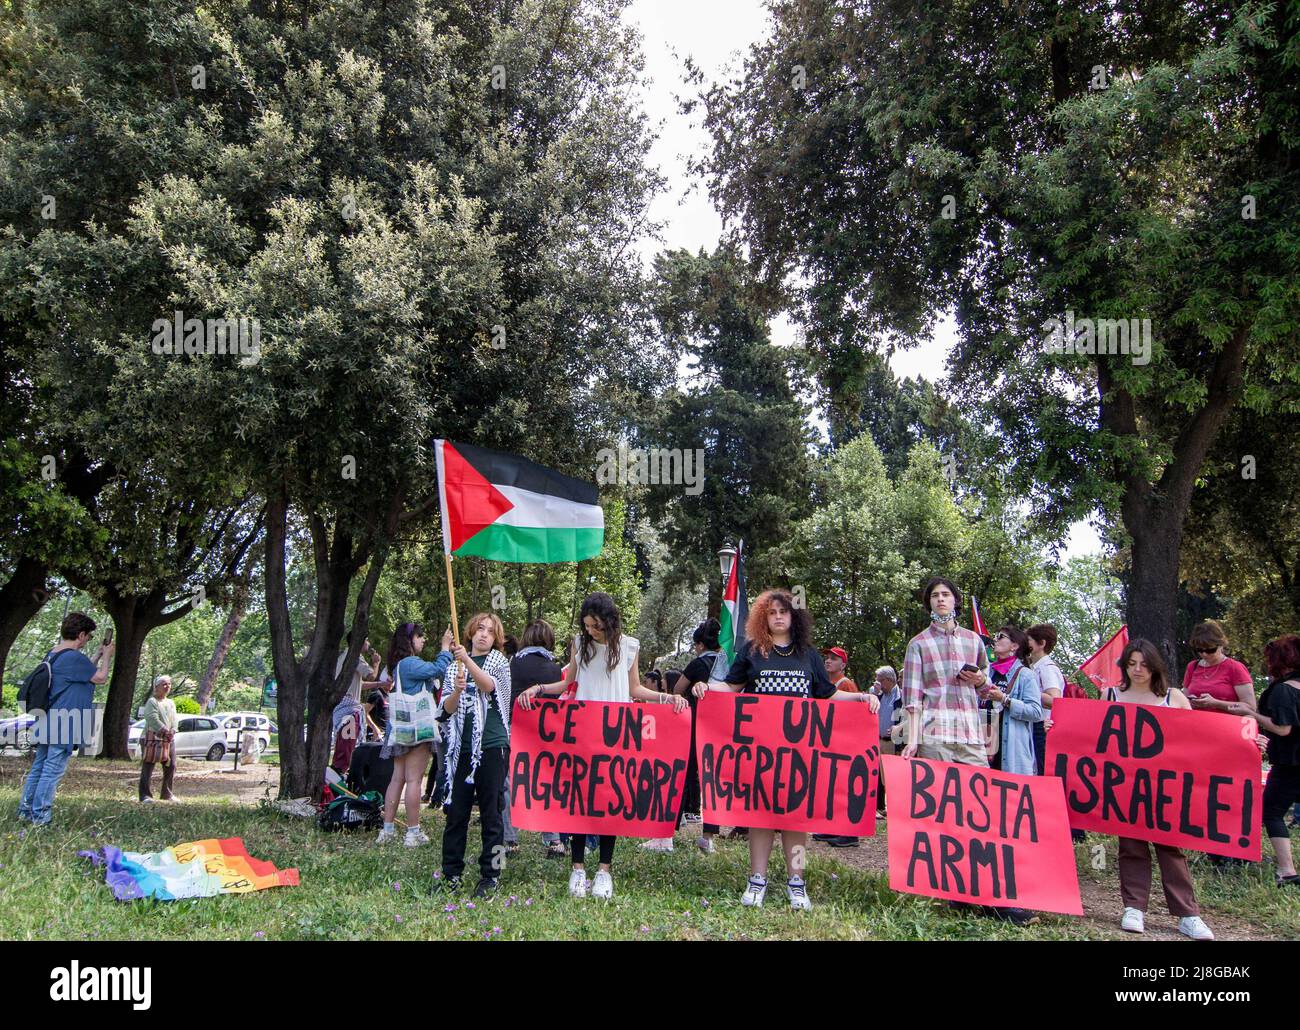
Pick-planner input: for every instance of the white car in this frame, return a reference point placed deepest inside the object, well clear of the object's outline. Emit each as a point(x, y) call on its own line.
point(197, 736)
point(250, 722)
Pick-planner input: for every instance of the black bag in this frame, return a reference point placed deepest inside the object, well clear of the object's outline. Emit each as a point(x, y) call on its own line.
point(34, 691)
point(360, 813)
point(368, 771)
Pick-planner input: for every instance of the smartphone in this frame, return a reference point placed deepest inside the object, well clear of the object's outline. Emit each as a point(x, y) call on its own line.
point(970, 668)
point(108, 637)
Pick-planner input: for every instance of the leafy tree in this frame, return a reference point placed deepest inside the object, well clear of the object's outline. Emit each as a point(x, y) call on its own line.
point(738, 405)
point(1084, 601)
point(899, 159)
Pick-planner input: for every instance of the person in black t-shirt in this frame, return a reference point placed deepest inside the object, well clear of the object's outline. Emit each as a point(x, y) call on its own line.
point(698, 671)
point(532, 664)
point(1278, 716)
point(778, 659)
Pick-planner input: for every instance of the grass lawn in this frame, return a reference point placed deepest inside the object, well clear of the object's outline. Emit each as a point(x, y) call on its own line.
point(352, 889)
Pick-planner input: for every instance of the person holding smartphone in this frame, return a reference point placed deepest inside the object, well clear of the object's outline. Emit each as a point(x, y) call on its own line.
point(69, 722)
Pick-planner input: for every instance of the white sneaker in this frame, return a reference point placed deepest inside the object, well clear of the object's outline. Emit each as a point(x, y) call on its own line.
point(578, 883)
point(146, 801)
point(798, 895)
point(658, 844)
point(755, 892)
point(415, 837)
point(386, 836)
point(1134, 921)
point(705, 844)
point(1195, 928)
point(602, 886)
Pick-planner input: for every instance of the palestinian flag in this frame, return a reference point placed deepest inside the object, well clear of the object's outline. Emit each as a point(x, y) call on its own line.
point(506, 508)
point(735, 612)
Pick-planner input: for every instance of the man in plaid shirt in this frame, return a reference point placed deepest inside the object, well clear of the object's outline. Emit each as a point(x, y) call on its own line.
point(941, 701)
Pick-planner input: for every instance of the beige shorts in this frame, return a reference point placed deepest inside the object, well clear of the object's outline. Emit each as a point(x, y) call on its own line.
point(952, 751)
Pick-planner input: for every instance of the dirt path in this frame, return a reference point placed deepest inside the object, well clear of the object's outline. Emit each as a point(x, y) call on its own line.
point(196, 779)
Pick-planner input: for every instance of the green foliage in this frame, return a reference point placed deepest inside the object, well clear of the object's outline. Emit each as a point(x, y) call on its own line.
point(1084, 602)
point(187, 706)
point(739, 405)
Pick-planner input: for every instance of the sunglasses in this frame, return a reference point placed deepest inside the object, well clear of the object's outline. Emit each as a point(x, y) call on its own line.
point(1206, 650)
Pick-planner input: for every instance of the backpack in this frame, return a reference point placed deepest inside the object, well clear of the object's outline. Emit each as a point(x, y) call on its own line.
point(365, 812)
point(34, 691)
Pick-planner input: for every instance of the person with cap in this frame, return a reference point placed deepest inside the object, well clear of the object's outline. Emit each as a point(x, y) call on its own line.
point(836, 660)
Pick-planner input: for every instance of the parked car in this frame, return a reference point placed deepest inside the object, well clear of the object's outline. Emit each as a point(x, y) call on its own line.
point(197, 736)
point(250, 722)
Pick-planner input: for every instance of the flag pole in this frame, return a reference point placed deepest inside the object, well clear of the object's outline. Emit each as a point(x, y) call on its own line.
point(451, 593)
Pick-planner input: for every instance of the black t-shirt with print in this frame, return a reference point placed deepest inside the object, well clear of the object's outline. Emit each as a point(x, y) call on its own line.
point(799, 674)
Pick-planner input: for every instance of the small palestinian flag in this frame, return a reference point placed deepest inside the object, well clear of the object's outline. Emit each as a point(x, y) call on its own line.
point(977, 622)
point(505, 508)
point(734, 614)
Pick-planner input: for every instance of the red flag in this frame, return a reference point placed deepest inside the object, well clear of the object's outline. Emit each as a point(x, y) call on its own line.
point(1103, 667)
point(975, 617)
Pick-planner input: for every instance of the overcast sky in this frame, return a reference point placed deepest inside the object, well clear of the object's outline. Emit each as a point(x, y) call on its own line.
point(715, 33)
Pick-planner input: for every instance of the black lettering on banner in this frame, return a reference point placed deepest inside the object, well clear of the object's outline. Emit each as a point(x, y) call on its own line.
point(921, 852)
point(983, 854)
point(1156, 743)
point(764, 759)
point(1247, 807)
point(519, 778)
point(594, 780)
point(1114, 724)
point(1024, 812)
point(859, 788)
point(950, 852)
point(543, 710)
point(951, 796)
point(1215, 807)
point(570, 714)
point(922, 777)
point(979, 789)
point(1163, 800)
point(580, 778)
point(835, 759)
point(1111, 777)
point(794, 730)
point(743, 704)
point(1185, 824)
point(708, 778)
point(1140, 801)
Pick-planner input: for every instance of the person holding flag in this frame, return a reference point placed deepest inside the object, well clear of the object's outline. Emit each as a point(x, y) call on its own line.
point(778, 659)
point(603, 664)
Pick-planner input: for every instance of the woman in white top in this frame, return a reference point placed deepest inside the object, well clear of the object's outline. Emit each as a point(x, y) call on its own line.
point(604, 668)
point(1146, 682)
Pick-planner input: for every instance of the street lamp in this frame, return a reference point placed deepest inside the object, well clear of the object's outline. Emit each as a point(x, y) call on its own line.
point(726, 558)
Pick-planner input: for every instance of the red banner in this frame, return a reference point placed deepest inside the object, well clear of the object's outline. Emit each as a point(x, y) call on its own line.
point(1169, 775)
point(598, 767)
point(967, 833)
point(785, 763)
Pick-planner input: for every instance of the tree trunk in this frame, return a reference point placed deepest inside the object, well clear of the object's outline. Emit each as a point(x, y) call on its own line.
point(21, 598)
point(129, 631)
point(219, 653)
point(309, 688)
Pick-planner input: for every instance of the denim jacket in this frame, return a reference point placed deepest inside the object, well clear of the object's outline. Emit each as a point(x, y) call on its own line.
point(1020, 711)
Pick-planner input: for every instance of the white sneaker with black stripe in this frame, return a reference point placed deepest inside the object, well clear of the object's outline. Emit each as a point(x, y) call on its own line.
point(798, 895)
point(755, 892)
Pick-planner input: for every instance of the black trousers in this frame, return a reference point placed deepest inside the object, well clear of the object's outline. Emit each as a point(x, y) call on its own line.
point(1040, 746)
point(486, 788)
point(691, 796)
point(1280, 792)
point(578, 845)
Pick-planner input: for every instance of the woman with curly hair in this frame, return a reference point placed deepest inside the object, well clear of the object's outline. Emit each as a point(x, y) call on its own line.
point(778, 660)
point(604, 666)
